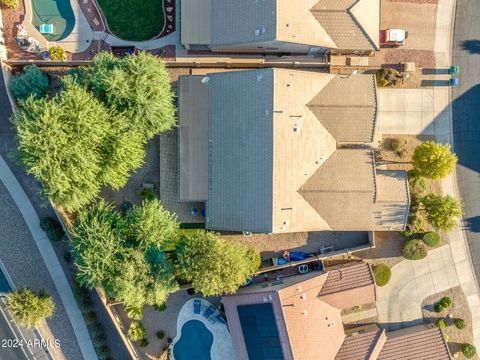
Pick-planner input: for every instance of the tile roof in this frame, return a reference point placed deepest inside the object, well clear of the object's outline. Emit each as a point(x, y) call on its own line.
point(426, 344)
point(347, 278)
point(362, 346)
point(347, 107)
point(352, 24)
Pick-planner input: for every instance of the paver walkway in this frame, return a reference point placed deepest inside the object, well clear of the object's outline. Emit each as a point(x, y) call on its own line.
point(50, 259)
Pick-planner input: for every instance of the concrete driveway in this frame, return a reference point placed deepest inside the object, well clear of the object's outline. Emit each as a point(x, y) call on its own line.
point(399, 303)
point(414, 111)
point(417, 19)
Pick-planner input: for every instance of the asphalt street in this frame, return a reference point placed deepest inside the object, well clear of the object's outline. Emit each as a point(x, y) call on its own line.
point(9, 349)
point(466, 118)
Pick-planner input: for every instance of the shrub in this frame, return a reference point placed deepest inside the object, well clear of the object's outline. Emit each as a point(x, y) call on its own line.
point(445, 337)
point(67, 256)
point(56, 53)
point(103, 352)
point(469, 350)
point(29, 308)
point(431, 239)
point(31, 82)
point(382, 274)
point(98, 339)
point(415, 250)
point(160, 334)
point(160, 308)
point(438, 307)
point(147, 194)
point(135, 313)
point(90, 317)
point(387, 77)
point(440, 323)
point(11, 4)
point(97, 330)
point(143, 342)
point(446, 302)
point(459, 323)
point(136, 331)
point(52, 228)
point(399, 146)
point(416, 183)
point(83, 299)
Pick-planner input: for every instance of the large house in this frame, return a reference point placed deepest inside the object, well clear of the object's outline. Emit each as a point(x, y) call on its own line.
point(299, 317)
point(281, 26)
point(277, 150)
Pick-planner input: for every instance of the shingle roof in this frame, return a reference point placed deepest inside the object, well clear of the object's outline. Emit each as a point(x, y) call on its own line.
point(427, 344)
point(362, 346)
point(236, 22)
point(347, 107)
point(350, 23)
point(240, 151)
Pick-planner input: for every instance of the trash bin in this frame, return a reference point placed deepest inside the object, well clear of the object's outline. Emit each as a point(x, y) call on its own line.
point(454, 70)
point(453, 82)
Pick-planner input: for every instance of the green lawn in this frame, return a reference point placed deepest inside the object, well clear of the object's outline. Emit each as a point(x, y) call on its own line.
point(134, 19)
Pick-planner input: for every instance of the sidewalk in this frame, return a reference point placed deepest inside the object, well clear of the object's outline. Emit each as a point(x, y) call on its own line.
point(50, 259)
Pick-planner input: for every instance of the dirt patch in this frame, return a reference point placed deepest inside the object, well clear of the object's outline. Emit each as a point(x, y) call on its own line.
point(459, 309)
point(393, 161)
point(388, 249)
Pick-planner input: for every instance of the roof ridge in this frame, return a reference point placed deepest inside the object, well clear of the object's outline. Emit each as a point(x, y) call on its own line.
point(361, 28)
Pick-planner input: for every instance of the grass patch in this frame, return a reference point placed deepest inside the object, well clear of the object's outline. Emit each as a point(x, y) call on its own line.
point(134, 19)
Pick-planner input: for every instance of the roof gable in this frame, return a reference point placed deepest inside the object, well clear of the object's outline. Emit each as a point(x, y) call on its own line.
point(347, 107)
point(352, 24)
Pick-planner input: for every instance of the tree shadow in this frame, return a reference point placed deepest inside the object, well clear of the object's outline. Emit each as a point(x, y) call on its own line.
point(472, 224)
point(472, 46)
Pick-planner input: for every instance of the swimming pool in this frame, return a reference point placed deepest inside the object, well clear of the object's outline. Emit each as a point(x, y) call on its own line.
point(195, 342)
point(59, 13)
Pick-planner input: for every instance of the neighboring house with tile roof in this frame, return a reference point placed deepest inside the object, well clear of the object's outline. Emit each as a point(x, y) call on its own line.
point(281, 25)
point(277, 150)
point(292, 318)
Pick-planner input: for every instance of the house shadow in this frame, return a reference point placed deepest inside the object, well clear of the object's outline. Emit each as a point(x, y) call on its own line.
point(427, 83)
point(472, 46)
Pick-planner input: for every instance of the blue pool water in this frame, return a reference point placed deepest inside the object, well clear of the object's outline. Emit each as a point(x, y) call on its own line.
point(59, 13)
point(195, 342)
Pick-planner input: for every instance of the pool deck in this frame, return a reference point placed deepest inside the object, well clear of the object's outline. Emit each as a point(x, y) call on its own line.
point(77, 41)
point(222, 347)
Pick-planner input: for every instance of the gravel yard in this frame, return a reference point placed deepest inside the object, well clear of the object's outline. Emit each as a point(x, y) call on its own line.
point(459, 309)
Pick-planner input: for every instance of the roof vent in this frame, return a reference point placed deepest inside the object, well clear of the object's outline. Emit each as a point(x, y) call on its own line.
point(304, 312)
point(303, 296)
point(205, 80)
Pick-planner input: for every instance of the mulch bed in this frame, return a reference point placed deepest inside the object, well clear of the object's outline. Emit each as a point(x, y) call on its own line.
point(94, 18)
point(459, 309)
point(12, 18)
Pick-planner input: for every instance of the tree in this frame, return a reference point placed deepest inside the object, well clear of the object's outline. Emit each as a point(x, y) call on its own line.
point(433, 160)
point(138, 87)
point(97, 245)
point(152, 225)
point(11, 4)
point(73, 145)
point(107, 254)
point(29, 308)
point(139, 283)
point(213, 265)
point(56, 53)
point(441, 211)
point(31, 82)
point(469, 350)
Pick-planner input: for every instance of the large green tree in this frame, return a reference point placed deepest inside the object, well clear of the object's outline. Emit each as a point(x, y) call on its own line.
point(442, 212)
point(74, 145)
point(29, 308)
point(433, 160)
point(152, 225)
point(107, 253)
point(214, 266)
point(137, 86)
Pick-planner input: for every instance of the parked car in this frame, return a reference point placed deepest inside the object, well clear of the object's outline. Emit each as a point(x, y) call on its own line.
point(393, 37)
